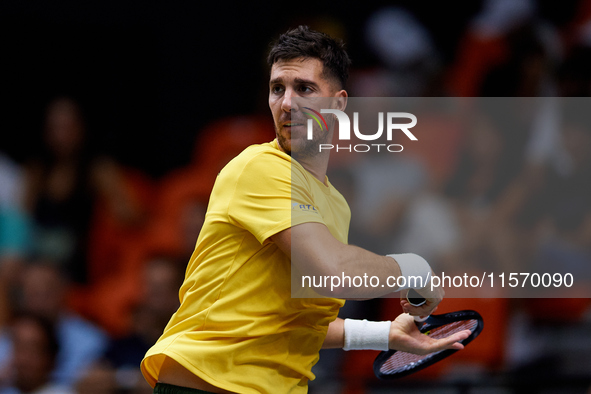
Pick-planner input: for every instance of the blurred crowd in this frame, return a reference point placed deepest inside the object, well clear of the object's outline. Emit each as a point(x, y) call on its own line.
point(92, 252)
point(497, 181)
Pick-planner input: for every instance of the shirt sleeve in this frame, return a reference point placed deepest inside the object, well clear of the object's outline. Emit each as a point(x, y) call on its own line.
point(265, 199)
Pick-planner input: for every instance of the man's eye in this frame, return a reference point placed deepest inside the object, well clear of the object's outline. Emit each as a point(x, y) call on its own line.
point(276, 89)
point(305, 89)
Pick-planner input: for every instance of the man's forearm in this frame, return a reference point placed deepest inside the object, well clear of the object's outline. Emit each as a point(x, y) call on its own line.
point(331, 268)
point(317, 253)
point(335, 336)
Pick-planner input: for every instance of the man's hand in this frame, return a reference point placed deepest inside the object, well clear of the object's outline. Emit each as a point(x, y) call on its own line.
point(432, 298)
point(406, 337)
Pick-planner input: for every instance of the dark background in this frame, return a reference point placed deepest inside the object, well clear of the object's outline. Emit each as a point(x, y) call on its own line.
point(151, 75)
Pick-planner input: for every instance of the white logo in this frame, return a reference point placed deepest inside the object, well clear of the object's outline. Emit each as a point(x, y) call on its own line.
point(345, 130)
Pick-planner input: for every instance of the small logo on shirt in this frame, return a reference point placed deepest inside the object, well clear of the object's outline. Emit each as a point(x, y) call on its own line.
point(296, 206)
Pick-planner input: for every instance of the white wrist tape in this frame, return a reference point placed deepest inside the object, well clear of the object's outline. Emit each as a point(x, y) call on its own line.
point(414, 269)
point(366, 335)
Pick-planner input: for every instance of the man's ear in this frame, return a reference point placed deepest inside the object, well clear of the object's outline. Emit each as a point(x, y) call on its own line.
point(340, 101)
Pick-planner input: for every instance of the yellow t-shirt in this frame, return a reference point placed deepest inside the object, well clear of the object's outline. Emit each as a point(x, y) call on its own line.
point(238, 327)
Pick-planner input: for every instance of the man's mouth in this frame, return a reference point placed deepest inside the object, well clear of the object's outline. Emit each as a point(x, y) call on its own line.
point(292, 124)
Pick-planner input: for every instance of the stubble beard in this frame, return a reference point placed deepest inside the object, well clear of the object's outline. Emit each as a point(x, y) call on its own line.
point(303, 147)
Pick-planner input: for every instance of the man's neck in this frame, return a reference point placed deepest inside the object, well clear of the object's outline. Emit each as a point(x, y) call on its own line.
point(316, 165)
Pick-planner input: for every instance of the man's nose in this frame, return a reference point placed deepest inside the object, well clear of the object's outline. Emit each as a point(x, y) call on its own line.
point(288, 104)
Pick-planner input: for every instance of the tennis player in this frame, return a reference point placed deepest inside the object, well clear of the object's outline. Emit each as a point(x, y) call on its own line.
point(238, 329)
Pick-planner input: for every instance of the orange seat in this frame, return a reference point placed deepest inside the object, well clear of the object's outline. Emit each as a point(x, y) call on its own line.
point(110, 234)
point(224, 139)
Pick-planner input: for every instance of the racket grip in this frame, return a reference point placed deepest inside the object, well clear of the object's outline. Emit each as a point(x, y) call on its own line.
point(415, 299)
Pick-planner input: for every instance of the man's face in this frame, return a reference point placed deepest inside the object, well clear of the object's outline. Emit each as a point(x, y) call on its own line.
point(300, 77)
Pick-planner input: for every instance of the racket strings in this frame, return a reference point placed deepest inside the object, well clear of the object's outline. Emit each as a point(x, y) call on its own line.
point(402, 361)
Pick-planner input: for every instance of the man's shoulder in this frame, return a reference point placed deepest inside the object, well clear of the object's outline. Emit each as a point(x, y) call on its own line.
point(262, 156)
point(267, 150)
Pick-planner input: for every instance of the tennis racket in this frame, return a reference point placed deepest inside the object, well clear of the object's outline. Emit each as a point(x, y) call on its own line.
point(393, 364)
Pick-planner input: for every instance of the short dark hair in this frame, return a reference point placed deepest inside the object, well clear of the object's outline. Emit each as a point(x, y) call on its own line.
point(306, 43)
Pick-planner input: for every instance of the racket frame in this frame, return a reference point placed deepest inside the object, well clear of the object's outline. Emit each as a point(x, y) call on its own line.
point(432, 322)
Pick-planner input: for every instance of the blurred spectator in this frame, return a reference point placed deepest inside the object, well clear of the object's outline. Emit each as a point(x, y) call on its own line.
point(548, 209)
point(549, 196)
point(486, 167)
point(35, 350)
point(15, 231)
point(116, 253)
point(117, 369)
point(181, 206)
point(62, 184)
point(507, 51)
point(112, 231)
point(14, 224)
point(408, 61)
point(43, 290)
point(98, 379)
point(11, 179)
point(529, 69)
point(162, 279)
point(561, 207)
point(15, 242)
point(574, 74)
point(384, 184)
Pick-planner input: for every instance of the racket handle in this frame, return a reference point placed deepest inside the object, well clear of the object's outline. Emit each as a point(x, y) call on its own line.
point(415, 299)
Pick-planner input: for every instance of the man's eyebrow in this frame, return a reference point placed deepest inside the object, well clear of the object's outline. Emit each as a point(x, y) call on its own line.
point(298, 81)
point(301, 81)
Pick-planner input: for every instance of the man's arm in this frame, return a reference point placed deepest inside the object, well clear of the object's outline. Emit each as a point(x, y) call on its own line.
point(404, 335)
point(314, 251)
point(335, 337)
